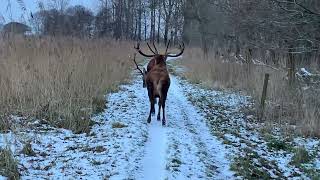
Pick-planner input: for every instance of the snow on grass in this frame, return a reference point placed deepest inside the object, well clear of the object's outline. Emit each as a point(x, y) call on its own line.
point(122, 145)
point(244, 136)
point(192, 152)
point(106, 152)
point(206, 134)
point(304, 72)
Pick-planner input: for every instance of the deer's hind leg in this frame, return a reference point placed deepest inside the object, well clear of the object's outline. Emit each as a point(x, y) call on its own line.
point(152, 101)
point(163, 104)
point(159, 104)
point(153, 109)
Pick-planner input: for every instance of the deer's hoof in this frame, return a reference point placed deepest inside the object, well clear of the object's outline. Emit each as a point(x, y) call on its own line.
point(163, 122)
point(158, 117)
point(149, 120)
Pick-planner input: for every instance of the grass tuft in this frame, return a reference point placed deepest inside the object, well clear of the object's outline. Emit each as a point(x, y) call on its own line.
point(301, 156)
point(118, 125)
point(8, 165)
point(99, 104)
point(27, 149)
point(277, 145)
point(98, 149)
point(4, 124)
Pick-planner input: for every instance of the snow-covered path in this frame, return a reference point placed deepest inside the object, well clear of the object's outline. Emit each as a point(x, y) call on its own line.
point(185, 148)
point(153, 164)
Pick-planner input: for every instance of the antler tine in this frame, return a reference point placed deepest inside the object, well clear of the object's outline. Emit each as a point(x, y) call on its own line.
point(137, 47)
point(155, 47)
point(135, 62)
point(181, 47)
point(140, 52)
point(167, 46)
point(154, 52)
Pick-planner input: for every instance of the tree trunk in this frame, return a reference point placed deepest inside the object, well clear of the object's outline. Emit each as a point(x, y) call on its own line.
point(118, 23)
point(237, 47)
point(145, 25)
point(126, 9)
point(167, 13)
point(140, 20)
point(159, 21)
point(152, 20)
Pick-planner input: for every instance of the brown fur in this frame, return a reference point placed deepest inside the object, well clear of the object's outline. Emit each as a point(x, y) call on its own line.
point(151, 64)
point(156, 78)
point(158, 83)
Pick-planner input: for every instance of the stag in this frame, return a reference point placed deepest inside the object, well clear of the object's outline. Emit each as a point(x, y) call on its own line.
point(156, 78)
point(150, 64)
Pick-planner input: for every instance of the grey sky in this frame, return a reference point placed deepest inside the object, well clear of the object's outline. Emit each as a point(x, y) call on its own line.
point(16, 14)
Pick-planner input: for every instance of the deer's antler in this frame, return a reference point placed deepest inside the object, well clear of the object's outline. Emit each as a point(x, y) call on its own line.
point(181, 47)
point(137, 47)
point(137, 66)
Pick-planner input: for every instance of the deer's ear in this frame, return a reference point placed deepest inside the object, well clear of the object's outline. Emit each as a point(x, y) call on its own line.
point(144, 71)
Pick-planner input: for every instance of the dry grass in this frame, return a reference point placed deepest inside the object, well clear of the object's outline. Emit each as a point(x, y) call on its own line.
point(5, 124)
point(8, 165)
point(62, 80)
point(285, 105)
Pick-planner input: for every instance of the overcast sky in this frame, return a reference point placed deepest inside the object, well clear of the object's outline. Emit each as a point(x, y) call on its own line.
point(16, 13)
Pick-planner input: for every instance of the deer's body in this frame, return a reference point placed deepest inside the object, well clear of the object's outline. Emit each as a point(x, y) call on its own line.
point(157, 80)
point(151, 64)
point(158, 83)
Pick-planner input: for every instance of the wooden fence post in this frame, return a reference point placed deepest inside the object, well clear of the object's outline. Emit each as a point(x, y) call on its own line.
point(264, 96)
point(291, 67)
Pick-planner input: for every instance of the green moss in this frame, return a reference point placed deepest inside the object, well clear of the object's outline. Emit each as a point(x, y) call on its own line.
point(276, 144)
point(252, 166)
point(312, 172)
point(245, 167)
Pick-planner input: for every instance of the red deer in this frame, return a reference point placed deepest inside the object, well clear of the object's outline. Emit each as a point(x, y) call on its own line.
point(157, 79)
point(151, 63)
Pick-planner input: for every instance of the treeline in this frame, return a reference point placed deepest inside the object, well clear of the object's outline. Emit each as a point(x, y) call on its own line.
point(264, 27)
point(157, 20)
point(267, 28)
